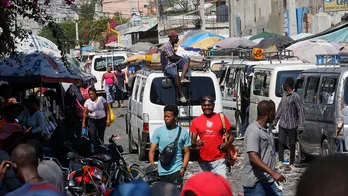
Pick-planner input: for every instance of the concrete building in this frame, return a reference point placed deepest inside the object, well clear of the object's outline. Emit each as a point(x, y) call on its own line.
point(253, 16)
point(126, 7)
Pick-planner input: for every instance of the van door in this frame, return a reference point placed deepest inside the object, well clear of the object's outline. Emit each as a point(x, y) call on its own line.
point(326, 113)
point(311, 111)
point(136, 115)
point(237, 98)
point(259, 91)
point(228, 105)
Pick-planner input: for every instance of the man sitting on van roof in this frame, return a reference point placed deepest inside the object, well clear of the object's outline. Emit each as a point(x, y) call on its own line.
point(170, 62)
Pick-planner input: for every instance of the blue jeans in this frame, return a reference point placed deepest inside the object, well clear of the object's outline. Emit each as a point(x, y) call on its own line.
point(263, 189)
point(217, 167)
point(246, 121)
point(173, 70)
point(109, 98)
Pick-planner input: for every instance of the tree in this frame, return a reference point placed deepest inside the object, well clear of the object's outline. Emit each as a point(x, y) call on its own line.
point(87, 11)
point(10, 11)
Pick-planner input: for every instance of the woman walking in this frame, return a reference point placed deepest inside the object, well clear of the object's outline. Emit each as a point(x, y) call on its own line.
point(99, 116)
point(110, 80)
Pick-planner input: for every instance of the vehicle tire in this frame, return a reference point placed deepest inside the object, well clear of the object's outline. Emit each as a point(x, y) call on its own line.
point(138, 173)
point(127, 127)
point(325, 149)
point(299, 156)
point(141, 152)
point(131, 145)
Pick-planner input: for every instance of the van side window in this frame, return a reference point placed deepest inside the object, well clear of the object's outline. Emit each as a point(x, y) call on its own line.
point(311, 90)
point(230, 76)
point(261, 84)
point(136, 88)
point(327, 90)
point(143, 82)
point(299, 86)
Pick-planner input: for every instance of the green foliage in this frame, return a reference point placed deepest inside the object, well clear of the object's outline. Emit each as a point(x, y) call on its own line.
point(87, 11)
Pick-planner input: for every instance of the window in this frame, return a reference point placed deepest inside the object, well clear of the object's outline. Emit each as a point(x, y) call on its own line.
point(346, 92)
point(101, 62)
point(327, 90)
point(199, 87)
point(282, 75)
point(311, 90)
point(299, 86)
point(136, 88)
point(261, 83)
point(143, 82)
point(230, 78)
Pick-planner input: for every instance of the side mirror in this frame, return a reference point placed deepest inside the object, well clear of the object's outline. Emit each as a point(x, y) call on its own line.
point(167, 83)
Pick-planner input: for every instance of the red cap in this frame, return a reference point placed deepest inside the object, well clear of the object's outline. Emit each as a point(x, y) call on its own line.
point(207, 184)
point(172, 33)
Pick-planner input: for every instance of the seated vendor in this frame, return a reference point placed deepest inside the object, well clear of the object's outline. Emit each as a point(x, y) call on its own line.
point(171, 62)
point(33, 119)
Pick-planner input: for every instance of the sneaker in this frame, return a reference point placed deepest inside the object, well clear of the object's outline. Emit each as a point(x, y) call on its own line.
point(240, 137)
point(185, 81)
point(182, 99)
point(286, 162)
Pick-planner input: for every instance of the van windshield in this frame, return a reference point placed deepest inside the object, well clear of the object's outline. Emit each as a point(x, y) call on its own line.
point(282, 75)
point(199, 87)
point(100, 63)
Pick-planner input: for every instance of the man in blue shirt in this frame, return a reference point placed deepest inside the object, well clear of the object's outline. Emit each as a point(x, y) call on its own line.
point(173, 172)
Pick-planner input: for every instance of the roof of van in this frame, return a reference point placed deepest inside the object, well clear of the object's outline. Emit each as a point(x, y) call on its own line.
point(286, 66)
point(326, 70)
point(161, 74)
point(263, 62)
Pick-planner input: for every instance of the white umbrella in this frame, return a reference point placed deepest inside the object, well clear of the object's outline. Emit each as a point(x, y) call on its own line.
point(115, 45)
point(234, 42)
point(306, 50)
point(300, 36)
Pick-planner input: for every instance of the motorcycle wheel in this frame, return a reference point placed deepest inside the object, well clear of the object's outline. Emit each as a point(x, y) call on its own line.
point(122, 177)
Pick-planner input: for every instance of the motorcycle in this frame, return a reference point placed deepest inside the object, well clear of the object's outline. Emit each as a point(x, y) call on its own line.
point(99, 172)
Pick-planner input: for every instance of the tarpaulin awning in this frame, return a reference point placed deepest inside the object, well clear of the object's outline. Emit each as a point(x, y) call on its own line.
point(234, 42)
point(36, 66)
point(263, 35)
point(202, 41)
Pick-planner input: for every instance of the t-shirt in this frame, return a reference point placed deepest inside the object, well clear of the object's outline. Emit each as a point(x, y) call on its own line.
point(167, 50)
point(209, 129)
point(96, 108)
point(33, 186)
point(10, 182)
point(36, 121)
point(162, 137)
point(51, 172)
point(260, 140)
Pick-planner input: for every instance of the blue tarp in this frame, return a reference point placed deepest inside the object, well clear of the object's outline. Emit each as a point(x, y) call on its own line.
point(88, 48)
point(339, 36)
point(199, 37)
point(299, 18)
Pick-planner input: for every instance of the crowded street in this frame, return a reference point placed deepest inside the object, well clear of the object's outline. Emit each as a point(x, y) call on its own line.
point(234, 177)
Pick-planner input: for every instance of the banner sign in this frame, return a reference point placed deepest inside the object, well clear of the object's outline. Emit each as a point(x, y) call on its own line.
point(335, 5)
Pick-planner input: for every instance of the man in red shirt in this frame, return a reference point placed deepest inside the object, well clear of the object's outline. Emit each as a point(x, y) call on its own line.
point(209, 128)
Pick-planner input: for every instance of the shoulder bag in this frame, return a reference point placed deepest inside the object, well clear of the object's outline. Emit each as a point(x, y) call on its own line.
point(167, 154)
point(231, 151)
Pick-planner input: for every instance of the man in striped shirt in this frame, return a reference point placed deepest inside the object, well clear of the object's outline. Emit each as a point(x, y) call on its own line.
point(290, 116)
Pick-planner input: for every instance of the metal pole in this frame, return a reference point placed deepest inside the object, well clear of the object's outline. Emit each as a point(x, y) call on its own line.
point(231, 17)
point(202, 14)
point(77, 28)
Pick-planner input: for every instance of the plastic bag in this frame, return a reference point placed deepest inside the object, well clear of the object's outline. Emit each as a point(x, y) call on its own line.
point(112, 115)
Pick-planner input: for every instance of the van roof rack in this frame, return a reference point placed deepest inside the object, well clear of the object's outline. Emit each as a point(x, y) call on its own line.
point(328, 60)
point(203, 66)
point(248, 54)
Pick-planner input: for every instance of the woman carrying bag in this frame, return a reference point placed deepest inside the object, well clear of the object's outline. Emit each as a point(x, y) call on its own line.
point(98, 113)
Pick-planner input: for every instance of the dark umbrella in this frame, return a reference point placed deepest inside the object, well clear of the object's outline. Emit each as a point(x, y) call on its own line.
point(278, 41)
point(263, 35)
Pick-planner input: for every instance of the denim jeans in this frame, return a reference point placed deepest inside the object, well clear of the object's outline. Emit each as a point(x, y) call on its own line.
point(263, 189)
point(109, 97)
point(218, 167)
point(246, 121)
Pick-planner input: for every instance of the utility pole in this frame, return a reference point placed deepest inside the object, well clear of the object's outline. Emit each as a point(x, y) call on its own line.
point(292, 17)
point(231, 19)
point(158, 10)
point(202, 14)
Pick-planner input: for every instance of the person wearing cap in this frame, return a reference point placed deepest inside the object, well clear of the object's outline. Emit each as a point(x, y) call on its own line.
point(171, 63)
point(259, 175)
point(209, 128)
point(206, 184)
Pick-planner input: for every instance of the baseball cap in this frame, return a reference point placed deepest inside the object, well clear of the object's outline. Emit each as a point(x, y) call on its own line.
point(217, 185)
point(172, 33)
